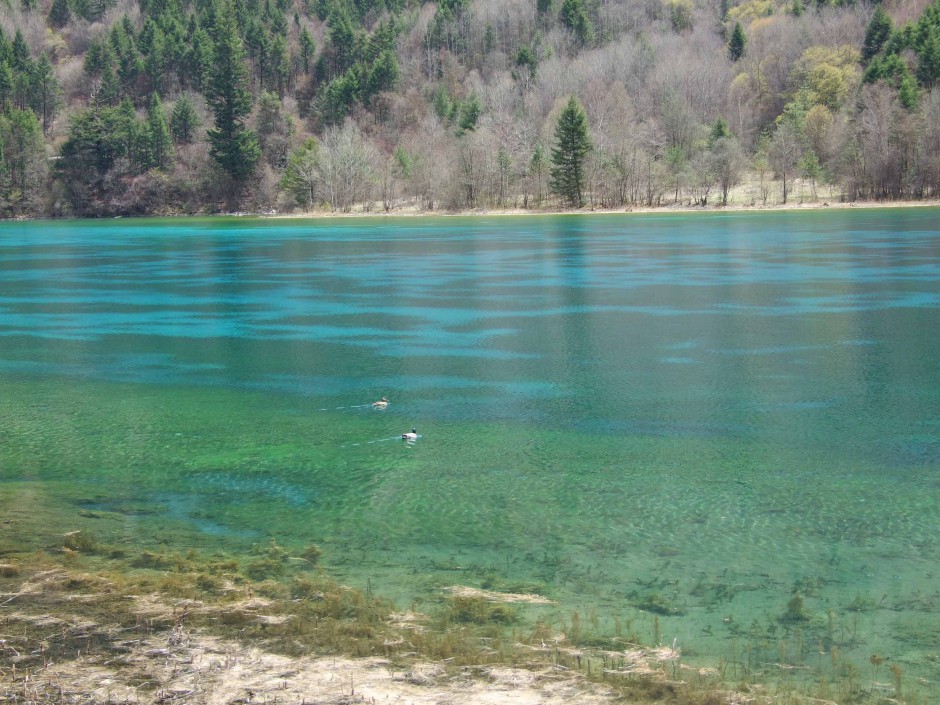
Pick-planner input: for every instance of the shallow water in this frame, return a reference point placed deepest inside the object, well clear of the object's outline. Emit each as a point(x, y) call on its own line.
point(704, 415)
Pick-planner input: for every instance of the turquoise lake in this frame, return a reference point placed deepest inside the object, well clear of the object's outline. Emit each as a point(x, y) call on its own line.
point(673, 425)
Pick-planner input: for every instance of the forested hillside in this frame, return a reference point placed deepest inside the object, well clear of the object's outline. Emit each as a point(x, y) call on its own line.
point(179, 106)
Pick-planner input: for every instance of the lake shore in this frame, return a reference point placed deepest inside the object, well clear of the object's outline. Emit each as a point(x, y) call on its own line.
point(411, 211)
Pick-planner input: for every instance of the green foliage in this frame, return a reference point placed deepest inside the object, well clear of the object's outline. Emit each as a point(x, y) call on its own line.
point(274, 129)
point(572, 145)
point(59, 14)
point(157, 144)
point(7, 86)
point(23, 163)
point(302, 175)
point(525, 59)
point(680, 15)
point(737, 43)
point(469, 115)
point(718, 131)
point(307, 49)
point(574, 16)
point(928, 61)
point(876, 34)
point(184, 121)
point(338, 97)
point(445, 107)
point(20, 60)
point(908, 92)
point(383, 75)
point(233, 146)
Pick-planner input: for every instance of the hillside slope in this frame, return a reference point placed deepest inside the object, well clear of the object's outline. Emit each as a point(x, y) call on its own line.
point(185, 106)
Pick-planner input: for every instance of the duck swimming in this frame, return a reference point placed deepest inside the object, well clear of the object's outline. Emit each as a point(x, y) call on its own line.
point(411, 435)
point(381, 403)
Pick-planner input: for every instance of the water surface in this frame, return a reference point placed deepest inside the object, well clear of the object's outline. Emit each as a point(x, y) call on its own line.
point(706, 414)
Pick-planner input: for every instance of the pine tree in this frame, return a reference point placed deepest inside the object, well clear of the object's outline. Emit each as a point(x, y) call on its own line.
point(233, 146)
point(307, 49)
point(876, 34)
point(737, 43)
point(184, 121)
point(44, 91)
point(469, 115)
point(928, 61)
point(59, 13)
point(302, 174)
point(20, 60)
point(159, 143)
point(537, 166)
point(7, 86)
point(574, 16)
point(572, 145)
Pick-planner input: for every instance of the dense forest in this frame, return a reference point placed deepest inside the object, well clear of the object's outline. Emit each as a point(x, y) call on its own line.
point(114, 107)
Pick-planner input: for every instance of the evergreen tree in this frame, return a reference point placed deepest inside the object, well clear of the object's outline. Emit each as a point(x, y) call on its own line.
point(24, 162)
point(469, 115)
point(572, 145)
point(7, 86)
point(876, 34)
point(44, 92)
point(928, 60)
point(159, 146)
point(59, 13)
point(302, 174)
point(20, 60)
point(307, 49)
point(279, 60)
point(198, 60)
point(537, 166)
point(274, 130)
point(908, 92)
point(719, 130)
point(339, 97)
point(525, 58)
point(545, 9)
point(383, 76)
point(737, 43)
point(574, 16)
point(184, 121)
point(233, 146)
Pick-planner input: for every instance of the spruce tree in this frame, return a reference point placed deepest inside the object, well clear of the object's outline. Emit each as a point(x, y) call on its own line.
point(876, 34)
point(7, 86)
point(572, 145)
point(307, 49)
point(737, 43)
point(928, 61)
point(232, 145)
point(159, 144)
point(184, 121)
point(59, 13)
point(574, 15)
point(44, 91)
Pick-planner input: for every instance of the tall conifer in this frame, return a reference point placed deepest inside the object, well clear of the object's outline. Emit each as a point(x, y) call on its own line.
point(572, 145)
point(232, 145)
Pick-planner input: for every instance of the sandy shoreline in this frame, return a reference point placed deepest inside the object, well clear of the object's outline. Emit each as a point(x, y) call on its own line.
point(639, 210)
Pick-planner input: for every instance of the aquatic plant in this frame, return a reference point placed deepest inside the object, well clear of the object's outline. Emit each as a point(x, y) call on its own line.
point(656, 603)
point(81, 541)
point(477, 610)
point(796, 611)
point(312, 554)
